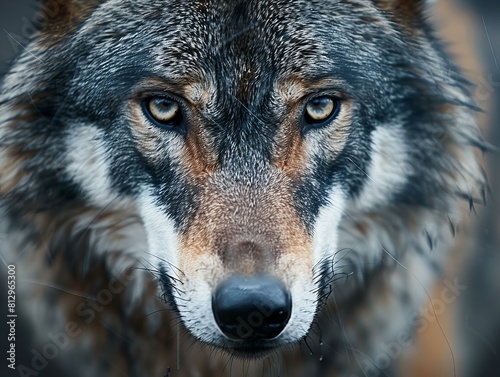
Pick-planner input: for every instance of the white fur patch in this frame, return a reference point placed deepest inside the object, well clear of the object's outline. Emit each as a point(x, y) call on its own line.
point(325, 236)
point(88, 164)
point(304, 307)
point(197, 314)
point(389, 168)
point(160, 232)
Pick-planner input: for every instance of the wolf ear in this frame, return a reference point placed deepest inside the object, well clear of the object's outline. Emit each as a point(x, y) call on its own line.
point(405, 10)
point(58, 17)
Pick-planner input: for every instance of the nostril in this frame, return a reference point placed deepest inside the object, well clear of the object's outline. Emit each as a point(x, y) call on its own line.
point(251, 307)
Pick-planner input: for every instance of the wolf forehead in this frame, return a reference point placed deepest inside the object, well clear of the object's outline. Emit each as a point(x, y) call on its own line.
point(232, 46)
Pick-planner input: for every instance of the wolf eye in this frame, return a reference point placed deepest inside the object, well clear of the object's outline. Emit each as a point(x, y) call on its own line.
point(321, 110)
point(163, 112)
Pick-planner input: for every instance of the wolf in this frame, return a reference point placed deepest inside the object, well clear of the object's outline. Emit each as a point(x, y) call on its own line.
point(213, 187)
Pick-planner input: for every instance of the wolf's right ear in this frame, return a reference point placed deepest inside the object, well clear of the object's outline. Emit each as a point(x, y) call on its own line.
point(60, 17)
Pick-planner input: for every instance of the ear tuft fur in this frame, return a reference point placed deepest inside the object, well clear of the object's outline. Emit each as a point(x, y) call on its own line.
point(405, 11)
point(62, 16)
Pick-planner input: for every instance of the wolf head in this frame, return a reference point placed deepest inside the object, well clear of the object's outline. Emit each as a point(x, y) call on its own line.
point(246, 135)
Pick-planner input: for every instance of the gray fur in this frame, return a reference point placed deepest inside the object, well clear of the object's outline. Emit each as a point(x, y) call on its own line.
point(389, 251)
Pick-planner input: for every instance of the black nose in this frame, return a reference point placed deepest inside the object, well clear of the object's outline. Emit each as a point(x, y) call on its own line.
point(251, 307)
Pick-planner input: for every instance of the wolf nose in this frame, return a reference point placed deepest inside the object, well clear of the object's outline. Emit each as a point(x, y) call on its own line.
point(251, 307)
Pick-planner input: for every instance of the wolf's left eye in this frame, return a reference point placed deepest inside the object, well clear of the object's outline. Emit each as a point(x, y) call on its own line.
point(163, 112)
point(321, 110)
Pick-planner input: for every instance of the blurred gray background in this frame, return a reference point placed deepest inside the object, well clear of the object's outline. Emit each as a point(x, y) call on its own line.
point(479, 311)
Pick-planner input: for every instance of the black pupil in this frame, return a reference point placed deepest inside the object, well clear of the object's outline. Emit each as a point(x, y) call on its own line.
point(320, 103)
point(165, 105)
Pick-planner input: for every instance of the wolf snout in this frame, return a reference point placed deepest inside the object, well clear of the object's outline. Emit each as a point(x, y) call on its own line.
point(251, 307)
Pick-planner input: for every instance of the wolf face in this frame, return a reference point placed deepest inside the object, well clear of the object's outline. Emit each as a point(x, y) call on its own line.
point(241, 183)
point(256, 141)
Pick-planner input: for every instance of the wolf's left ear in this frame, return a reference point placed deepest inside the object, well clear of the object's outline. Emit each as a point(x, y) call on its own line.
point(405, 10)
point(61, 16)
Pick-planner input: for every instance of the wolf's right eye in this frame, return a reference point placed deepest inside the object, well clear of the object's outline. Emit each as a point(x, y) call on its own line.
point(321, 110)
point(163, 112)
